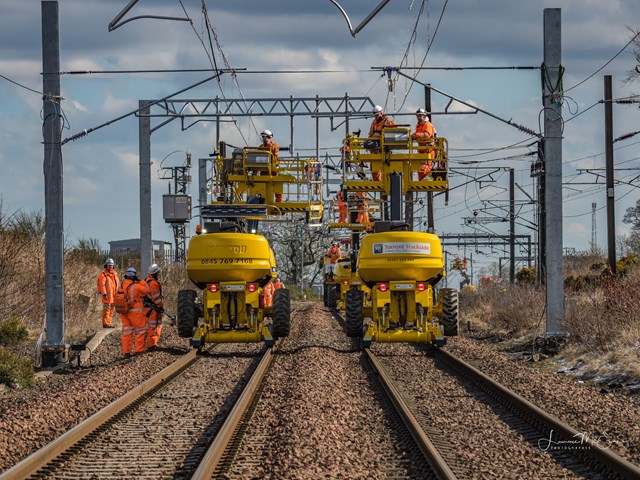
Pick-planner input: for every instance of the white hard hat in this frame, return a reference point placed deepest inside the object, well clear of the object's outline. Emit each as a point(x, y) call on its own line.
point(421, 111)
point(377, 109)
point(153, 269)
point(130, 273)
point(266, 133)
point(109, 261)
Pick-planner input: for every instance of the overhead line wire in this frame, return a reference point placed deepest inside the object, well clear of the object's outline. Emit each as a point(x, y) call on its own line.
point(611, 60)
point(424, 59)
point(23, 86)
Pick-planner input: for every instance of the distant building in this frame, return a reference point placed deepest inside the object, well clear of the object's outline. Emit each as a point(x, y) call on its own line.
point(162, 251)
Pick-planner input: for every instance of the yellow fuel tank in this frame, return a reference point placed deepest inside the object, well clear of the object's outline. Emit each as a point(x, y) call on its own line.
point(390, 256)
point(229, 257)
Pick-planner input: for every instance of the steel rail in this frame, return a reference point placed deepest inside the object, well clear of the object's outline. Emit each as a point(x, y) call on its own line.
point(424, 443)
point(211, 459)
point(603, 456)
point(46, 454)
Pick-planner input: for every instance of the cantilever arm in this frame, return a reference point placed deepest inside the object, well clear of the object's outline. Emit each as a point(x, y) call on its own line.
point(115, 23)
point(365, 21)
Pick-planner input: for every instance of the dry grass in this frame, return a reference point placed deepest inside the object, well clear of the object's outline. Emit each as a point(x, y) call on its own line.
point(506, 310)
point(602, 321)
point(22, 288)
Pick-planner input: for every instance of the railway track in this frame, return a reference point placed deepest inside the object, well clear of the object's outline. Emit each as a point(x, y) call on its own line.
point(578, 454)
point(160, 429)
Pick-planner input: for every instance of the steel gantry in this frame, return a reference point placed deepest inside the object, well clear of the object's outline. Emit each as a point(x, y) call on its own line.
point(192, 111)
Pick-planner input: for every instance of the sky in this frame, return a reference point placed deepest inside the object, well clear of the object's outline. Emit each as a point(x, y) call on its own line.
point(101, 199)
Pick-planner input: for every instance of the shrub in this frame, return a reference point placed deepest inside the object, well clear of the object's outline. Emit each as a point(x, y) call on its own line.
point(13, 331)
point(87, 251)
point(526, 276)
point(14, 370)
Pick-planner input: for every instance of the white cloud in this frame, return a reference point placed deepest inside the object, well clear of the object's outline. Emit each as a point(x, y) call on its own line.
point(577, 229)
point(79, 106)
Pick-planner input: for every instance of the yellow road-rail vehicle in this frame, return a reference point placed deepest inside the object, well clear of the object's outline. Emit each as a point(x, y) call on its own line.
point(402, 268)
point(343, 277)
point(398, 268)
point(331, 283)
point(230, 262)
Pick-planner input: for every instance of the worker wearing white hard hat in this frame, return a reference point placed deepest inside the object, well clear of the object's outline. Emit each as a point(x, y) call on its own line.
point(107, 283)
point(380, 121)
point(271, 146)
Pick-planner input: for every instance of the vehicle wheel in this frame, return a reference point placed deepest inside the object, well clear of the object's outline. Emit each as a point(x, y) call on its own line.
point(281, 313)
point(332, 299)
point(449, 298)
point(354, 318)
point(325, 289)
point(187, 313)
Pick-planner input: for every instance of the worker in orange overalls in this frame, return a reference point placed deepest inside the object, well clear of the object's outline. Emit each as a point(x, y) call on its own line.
point(363, 211)
point(380, 120)
point(134, 322)
point(277, 284)
point(154, 318)
point(424, 134)
point(342, 207)
point(274, 148)
point(268, 291)
point(332, 256)
point(108, 283)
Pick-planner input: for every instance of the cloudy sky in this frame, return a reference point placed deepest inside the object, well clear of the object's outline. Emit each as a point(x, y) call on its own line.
point(101, 169)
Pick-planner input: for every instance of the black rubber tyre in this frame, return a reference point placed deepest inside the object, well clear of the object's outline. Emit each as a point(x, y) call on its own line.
point(187, 313)
point(354, 318)
point(332, 297)
point(449, 298)
point(281, 313)
point(324, 294)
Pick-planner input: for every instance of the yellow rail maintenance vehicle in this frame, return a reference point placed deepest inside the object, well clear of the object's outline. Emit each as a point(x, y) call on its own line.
point(336, 268)
point(342, 277)
point(230, 262)
point(401, 267)
point(347, 278)
point(330, 286)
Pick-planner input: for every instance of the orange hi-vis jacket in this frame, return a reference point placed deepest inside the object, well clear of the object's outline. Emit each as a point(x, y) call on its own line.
point(108, 284)
point(363, 212)
point(375, 130)
point(424, 131)
point(155, 292)
point(278, 284)
point(134, 322)
point(135, 291)
point(334, 253)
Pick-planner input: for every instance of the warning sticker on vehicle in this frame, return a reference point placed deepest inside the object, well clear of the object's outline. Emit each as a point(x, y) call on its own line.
point(417, 248)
